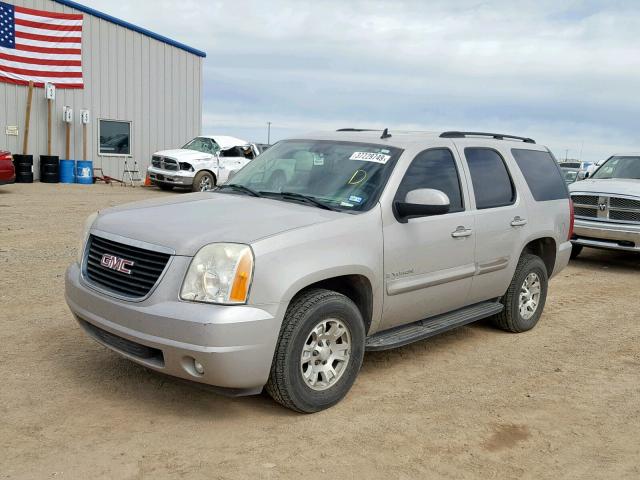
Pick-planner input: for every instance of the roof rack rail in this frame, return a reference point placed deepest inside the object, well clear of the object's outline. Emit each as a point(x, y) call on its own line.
point(497, 136)
point(358, 130)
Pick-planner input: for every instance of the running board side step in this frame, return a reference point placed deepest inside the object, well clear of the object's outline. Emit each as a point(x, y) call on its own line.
point(406, 334)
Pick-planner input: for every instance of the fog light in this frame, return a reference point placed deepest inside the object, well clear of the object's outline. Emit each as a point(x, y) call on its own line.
point(198, 367)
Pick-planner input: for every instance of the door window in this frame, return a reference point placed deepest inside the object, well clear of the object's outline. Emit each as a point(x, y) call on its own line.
point(435, 168)
point(492, 184)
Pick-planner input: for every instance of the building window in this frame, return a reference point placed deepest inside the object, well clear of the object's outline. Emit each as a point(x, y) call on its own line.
point(114, 137)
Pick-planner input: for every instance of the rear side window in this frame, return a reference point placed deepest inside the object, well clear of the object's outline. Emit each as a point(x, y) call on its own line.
point(435, 168)
point(492, 184)
point(542, 174)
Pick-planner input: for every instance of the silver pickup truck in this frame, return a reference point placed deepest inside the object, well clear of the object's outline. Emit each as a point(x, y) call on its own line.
point(607, 206)
point(322, 248)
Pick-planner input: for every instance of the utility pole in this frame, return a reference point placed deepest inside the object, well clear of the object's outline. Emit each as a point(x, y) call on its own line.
point(268, 133)
point(566, 154)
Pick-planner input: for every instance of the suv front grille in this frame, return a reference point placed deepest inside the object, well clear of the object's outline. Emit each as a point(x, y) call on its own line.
point(145, 270)
point(625, 216)
point(607, 209)
point(617, 202)
point(165, 163)
point(585, 199)
point(585, 212)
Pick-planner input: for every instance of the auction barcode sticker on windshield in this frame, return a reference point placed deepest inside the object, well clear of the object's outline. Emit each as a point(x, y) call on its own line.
point(370, 157)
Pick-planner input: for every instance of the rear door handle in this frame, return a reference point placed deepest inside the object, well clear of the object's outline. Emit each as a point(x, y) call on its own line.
point(518, 222)
point(461, 232)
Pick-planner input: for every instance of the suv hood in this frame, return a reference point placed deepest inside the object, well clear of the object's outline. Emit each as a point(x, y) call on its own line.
point(622, 186)
point(187, 223)
point(184, 155)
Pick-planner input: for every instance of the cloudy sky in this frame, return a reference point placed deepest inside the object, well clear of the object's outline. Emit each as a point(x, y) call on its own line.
point(566, 73)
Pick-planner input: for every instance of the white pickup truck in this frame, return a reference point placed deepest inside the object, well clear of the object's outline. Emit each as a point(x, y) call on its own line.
point(201, 164)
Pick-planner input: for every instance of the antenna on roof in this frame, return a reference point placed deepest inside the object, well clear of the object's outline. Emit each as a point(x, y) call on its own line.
point(385, 133)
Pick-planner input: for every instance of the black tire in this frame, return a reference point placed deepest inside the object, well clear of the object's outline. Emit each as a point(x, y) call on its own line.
point(575, 250)
point(166, 188)
point(49, 178)
point(19, 159)
point(23, 168)
point(286, 384)
point(199, 178)
point(24, 177)
point(510, 319)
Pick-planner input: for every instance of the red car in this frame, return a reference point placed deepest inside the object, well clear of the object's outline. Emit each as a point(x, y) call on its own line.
point(7, 171)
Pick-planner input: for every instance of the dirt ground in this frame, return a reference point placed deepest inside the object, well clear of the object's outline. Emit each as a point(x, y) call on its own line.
point(561, 401)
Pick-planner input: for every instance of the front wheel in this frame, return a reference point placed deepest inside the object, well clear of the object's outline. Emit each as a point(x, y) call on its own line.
point(526, 296)
point(319, 352)
point(203, 182)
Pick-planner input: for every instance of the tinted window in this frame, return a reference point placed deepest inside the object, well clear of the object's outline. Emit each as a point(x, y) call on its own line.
point(491, 182)
point(542, 174)
point(434, 169)
point(115, 138)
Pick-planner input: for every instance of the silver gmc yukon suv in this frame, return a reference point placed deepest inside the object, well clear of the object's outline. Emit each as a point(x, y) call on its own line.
point(324, 247)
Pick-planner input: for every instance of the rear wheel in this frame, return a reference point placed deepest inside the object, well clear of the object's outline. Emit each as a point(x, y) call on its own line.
point(526, 296)
point(575, 250)
point(203, 182)
point(319, 352)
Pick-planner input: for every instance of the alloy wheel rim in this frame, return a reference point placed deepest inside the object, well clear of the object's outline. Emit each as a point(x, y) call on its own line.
point(325, 354)
point(529, 296)
point(205, 184)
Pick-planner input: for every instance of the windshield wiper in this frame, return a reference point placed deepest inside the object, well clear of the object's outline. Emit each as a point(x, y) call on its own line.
point(240, 188)
point(305, 198)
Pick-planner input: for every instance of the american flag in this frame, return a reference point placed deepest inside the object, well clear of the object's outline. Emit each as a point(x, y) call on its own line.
point(40, 46)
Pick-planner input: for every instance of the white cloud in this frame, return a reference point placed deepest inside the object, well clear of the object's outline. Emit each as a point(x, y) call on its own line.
point(566, 73)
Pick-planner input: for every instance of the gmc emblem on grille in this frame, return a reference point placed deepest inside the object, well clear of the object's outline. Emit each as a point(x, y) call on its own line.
point(116, 263)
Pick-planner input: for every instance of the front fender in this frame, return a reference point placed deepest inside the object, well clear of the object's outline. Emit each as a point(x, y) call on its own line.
point(290, 261)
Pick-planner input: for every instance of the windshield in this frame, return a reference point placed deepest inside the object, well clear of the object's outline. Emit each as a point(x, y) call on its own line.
point(201, 144)
point(343, 175)
point(619, 167)
point(570, 175)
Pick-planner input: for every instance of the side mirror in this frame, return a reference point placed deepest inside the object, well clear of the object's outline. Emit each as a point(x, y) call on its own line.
point(423, 202)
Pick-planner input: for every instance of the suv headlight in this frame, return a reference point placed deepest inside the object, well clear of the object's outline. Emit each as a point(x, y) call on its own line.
point(219, 273)
point(88, 223)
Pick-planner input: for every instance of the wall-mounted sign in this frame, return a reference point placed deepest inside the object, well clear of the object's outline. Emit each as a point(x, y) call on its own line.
point(12, 130)
point(67, 114)
point(50, 91)
point(84, 116)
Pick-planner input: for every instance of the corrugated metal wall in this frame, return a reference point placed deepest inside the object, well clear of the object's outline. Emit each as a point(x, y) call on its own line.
point(127, 76)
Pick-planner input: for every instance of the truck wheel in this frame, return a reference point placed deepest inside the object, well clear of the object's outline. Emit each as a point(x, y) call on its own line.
point(319, 352)
point(203, 182)
point(575, 250)
point(166, 188)
point(526, 296)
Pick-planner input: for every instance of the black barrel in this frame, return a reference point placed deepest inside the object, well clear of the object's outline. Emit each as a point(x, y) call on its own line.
point(49, 169)
point(24, 168)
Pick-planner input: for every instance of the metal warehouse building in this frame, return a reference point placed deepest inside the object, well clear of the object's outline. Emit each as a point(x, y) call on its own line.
point(143, 92)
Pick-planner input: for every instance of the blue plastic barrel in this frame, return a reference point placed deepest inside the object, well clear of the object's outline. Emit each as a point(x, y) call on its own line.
point(84, 171)
point(67, 171)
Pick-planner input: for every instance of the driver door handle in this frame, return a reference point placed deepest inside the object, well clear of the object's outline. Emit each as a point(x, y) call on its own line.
point(518, 222)
point(461, 232)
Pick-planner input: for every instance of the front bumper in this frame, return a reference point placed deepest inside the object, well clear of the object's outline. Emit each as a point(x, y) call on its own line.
point(180, 178)
point(234, 344)
point(609, 235)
